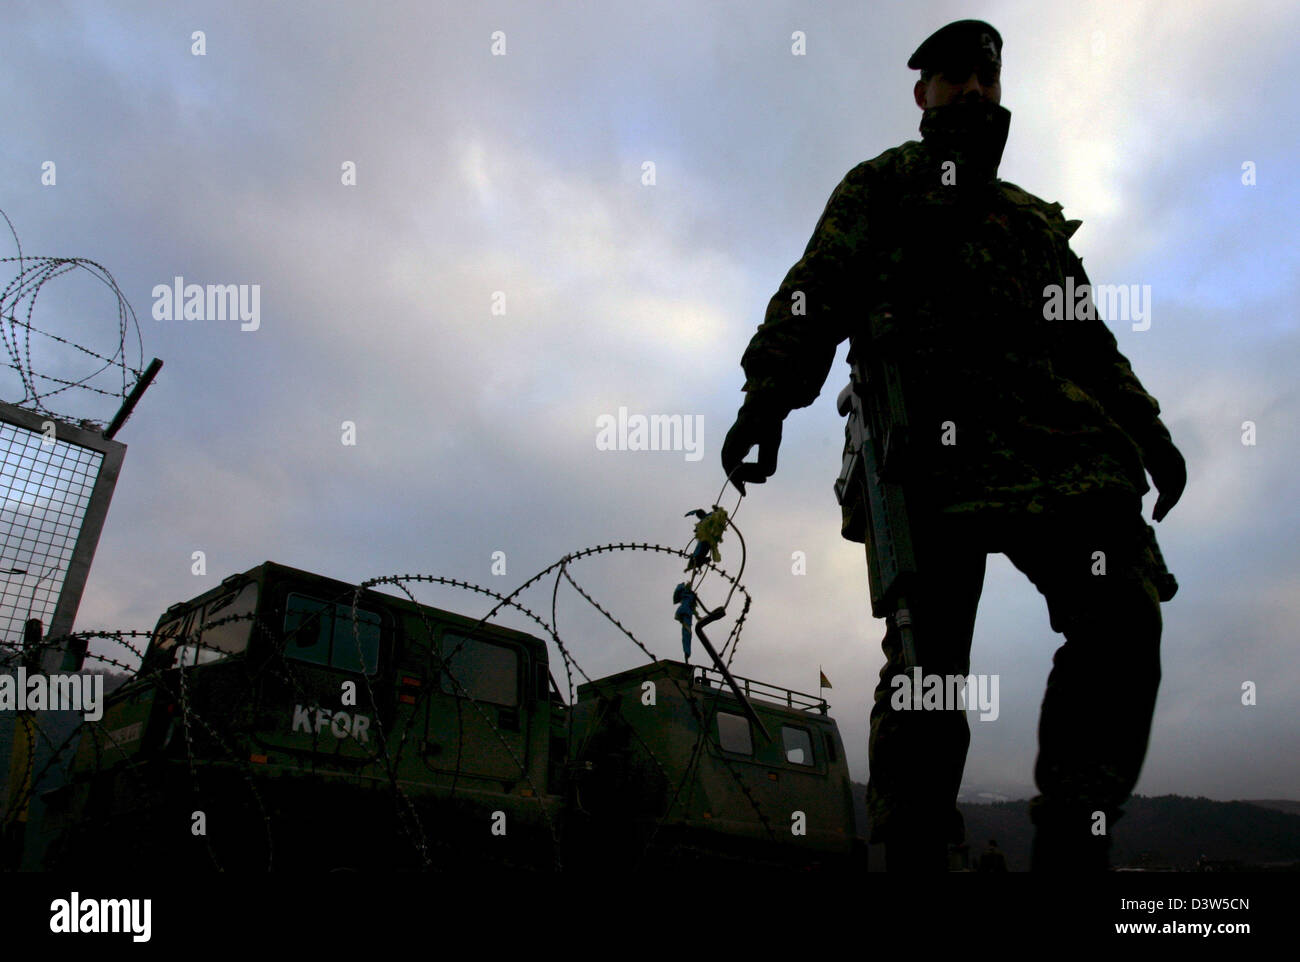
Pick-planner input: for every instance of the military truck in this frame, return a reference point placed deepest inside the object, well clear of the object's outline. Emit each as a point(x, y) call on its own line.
point(284, 720)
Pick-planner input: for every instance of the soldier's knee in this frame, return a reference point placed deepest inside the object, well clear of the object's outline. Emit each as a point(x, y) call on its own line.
point(1140, 609)
point(1120, 607)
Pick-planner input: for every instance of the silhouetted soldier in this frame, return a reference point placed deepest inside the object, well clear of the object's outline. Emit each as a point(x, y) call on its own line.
point(1028, 436)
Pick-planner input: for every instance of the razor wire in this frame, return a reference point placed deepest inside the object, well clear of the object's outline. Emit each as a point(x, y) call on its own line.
point(17, 330)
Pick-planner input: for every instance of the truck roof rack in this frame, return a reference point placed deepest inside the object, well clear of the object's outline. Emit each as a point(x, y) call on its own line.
point(704, 677)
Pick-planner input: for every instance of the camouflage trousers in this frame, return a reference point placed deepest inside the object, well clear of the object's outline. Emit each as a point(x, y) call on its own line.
point(1096, 713)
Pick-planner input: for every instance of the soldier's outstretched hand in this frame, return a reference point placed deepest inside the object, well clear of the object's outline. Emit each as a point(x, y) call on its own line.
point(752, 427)
point(1168, 472)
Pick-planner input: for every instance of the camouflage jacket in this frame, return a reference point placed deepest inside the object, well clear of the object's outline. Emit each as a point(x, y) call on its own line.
point(1010, 413)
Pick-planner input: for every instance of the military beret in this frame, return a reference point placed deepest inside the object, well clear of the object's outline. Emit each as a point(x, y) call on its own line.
point(961, 43)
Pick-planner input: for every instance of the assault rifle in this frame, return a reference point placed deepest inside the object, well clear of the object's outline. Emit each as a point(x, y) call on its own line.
point(871, 489)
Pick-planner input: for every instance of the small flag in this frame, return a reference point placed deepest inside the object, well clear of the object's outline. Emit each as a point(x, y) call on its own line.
point(826, 682)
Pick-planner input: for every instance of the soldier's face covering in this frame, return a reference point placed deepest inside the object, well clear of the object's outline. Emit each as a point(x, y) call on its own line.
point(970, 133)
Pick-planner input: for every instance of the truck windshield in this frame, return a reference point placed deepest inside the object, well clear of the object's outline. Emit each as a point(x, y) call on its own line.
point(211, 632)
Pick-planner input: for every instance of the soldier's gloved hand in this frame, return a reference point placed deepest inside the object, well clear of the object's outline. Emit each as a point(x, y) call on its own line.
point(756, 423)
point(1168, 472)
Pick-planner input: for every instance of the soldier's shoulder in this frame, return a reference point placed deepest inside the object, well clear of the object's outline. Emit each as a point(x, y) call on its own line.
point(1052, 213)
point(894, 162)
point(1023, 198)
point(900, 161)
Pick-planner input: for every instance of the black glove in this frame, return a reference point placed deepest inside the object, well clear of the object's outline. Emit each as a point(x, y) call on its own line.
point(1168, 472)
point(756, 423)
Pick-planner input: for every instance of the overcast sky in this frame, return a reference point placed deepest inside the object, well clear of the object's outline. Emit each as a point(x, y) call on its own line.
point(522, 173)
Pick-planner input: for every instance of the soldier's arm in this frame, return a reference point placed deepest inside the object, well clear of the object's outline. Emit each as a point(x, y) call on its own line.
point(1090, 357)
point(788, 358)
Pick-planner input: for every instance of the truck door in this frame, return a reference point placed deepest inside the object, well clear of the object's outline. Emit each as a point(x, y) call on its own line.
point(302, 710)
point(461, 736)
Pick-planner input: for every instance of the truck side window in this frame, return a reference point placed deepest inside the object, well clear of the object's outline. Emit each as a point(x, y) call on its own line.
point(322, 633)
point(798, 745)
point(355, 646)
point(308, 628)
point(733, 734)
point(487, 671)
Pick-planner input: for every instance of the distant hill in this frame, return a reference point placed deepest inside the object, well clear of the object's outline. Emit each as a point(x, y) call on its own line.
point(1281, 804)
point(1165, 831)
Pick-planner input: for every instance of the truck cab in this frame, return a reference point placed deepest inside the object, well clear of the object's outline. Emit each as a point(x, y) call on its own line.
point(270, 688)
point(668, 747)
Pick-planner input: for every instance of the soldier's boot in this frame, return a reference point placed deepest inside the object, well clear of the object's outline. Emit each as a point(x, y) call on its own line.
point(1064, 842)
